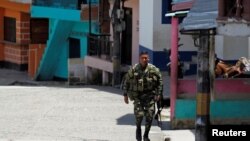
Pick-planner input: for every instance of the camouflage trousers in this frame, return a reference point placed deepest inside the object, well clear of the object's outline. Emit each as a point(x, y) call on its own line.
point(143, 108)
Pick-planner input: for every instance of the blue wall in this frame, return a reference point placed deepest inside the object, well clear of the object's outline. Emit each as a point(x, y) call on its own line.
point(160, 58)
point(157, 58)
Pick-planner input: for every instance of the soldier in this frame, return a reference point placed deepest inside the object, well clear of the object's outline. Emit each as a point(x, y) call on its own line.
point(143, 85)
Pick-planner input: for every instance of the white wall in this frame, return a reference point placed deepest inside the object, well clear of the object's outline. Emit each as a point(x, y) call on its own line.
point(188, 43)
point(233, 40)
point(146, 21)
point(219, 46)
point(161, 32)
point(231, 48)
point(234, 29)
point(155, 35)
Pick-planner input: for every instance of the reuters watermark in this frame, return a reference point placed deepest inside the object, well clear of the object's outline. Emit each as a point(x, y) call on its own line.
point(231, 133)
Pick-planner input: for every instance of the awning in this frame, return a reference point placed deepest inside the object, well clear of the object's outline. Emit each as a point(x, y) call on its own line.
point(180, 1)
point(178, 13)
point(202, 16)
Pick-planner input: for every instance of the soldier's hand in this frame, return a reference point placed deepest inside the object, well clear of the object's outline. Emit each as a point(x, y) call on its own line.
point(126, 99)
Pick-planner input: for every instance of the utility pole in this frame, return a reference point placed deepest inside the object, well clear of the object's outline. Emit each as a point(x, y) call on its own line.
point(116, 23)
point(203, 89)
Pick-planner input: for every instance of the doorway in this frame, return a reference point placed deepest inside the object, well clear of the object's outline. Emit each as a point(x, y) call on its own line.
point(126, 42)
point(74, 48)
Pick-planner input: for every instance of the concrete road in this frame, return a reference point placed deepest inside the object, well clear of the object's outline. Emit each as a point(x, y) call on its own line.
point(67, 113)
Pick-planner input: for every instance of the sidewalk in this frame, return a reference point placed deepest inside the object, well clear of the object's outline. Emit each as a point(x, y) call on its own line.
point(9, 77)
point(179, 135)
point(13, 77)
point(175, 135)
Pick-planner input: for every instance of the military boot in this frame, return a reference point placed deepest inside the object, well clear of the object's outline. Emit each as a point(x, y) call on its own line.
point(145, 136)
point(146, 139)
point(138, 134)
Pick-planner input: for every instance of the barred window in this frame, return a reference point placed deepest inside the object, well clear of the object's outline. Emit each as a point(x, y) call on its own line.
point(9, 29)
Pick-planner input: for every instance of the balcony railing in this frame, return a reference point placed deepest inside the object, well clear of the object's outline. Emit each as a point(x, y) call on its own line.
point(237, 9)
point(99, 45)
point(67, 4)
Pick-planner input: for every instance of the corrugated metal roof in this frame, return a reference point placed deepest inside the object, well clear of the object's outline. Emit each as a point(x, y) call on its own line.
point(180, 1)
point(202, 16)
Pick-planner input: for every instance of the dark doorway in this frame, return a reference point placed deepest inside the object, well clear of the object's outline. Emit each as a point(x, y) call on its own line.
point(74, 48)
point(126, 44)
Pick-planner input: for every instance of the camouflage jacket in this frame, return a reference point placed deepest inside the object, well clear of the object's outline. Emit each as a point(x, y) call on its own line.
point(138, 81)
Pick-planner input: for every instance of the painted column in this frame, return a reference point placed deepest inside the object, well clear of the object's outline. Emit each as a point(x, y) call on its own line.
point(174, 63)
point(116, 80)
point(105, 78)
point(87, 74)
point(212, 66)
point(203, 89)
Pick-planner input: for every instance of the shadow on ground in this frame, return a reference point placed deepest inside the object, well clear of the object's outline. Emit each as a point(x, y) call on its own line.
point(129, 119)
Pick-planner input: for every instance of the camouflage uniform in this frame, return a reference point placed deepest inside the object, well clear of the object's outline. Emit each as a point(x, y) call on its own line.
point(141, 86)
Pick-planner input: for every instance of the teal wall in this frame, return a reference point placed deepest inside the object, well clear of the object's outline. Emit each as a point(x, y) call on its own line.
point(62, 66)
point(231, 109)
point(63, 23)
point(186, 109)
point(80, 31)
point(55, 13)
point(66, 4)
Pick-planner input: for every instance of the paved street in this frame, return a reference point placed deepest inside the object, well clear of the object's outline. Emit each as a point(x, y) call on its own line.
point(61, 113)
point(55, 111)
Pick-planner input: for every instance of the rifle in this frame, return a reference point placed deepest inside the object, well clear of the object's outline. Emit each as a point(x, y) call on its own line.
point(158, 113)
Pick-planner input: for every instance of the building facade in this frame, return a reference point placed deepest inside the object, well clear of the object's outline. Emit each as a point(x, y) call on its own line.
point(233, 31)
point(14, 34)
point(155, 32)
point(66, 44)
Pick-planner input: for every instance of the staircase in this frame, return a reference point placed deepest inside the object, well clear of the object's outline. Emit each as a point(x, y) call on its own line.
point(59, 34)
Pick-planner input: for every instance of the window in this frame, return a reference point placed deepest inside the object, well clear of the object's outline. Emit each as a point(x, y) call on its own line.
point(80, 2)
point(166, 7)
point(39, 31)
point(9, 29)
